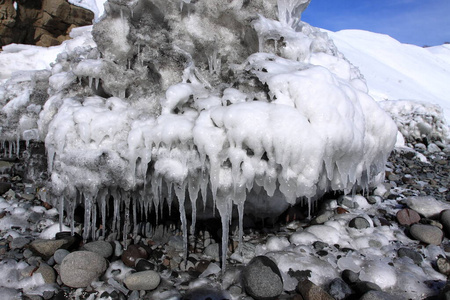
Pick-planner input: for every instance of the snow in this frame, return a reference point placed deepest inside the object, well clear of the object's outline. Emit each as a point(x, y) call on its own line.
point(396, 71)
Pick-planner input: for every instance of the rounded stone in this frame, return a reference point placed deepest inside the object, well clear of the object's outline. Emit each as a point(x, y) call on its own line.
point(378, 295)
point(428, 234)
point(350, 276)
point(79, 269)
point(359, 223)
point(145, 280)
point(262, 279)
point(132, 254)
point(206, 294)
point(100, 247)
point(414, 255)
point(59, 255)
point(144, 265)
point(407, 216)
point(445, 220)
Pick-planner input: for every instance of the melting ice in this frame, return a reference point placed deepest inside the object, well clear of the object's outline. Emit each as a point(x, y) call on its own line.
point(212, 104)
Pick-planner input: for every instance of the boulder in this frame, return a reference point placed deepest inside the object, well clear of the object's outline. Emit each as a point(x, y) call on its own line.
point(80, 268)
point(40, 22)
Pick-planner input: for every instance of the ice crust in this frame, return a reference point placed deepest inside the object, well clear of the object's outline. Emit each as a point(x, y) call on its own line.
point(211, 101)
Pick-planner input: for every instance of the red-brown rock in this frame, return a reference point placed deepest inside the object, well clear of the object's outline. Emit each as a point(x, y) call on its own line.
point(407, 216)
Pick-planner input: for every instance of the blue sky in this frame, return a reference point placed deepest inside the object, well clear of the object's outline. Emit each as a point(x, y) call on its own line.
point(419, 22)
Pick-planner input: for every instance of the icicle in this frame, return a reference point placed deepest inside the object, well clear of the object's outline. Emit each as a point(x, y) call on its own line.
point(135, 225)
point(169, 196)
point(180, 191)
point(10, 149)
point(240, 207)
point(94, 221)
point(194, 187)
point(71, 216)
point(126, 224)
point(204, 188)
point(61, 213)
point(87, 216)
point(18, 146)
point(121, 13)
point(90, 78)
point(116, 214)
point(223, 205)
point(309, 208)
point(103, 212)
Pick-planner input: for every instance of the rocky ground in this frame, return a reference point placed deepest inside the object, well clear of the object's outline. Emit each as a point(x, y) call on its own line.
point(411, 208)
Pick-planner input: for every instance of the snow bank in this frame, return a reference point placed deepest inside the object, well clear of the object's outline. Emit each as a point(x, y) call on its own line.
point(209, 101)
point(398, 71)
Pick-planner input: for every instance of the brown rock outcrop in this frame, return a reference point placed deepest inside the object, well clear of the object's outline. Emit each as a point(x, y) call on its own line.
point(40, 22)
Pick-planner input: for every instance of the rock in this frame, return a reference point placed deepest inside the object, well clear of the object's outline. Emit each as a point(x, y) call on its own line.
point(145, 280)
point(339, 289)
point(443, 265)
point(445, 220)
point(19, 243)
point(59, 255)
point(132, 254)
point(359, 223)
point(407, 216)
point(206, 294)
point(80, 268)
point(100, 247)
point(40, 22)
point(350, 276)
point(262, 279)
point(414, 255)
point(378, 295)
point(362, 287)
point(427, 233)
point(373, 199)
point(310, 291)
point(73, 241)
point(322, 217)
point(47, 272)
point(144, 265)
point(46, 248)
point(212, 250)
point(4, 187)
point(427, 206)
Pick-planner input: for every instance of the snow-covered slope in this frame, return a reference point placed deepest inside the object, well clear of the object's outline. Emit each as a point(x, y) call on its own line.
point(398, 71)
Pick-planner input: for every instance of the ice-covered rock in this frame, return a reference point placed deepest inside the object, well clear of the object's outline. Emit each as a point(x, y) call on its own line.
point(228, 103)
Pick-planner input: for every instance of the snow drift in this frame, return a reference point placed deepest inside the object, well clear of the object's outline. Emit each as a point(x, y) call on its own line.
point(208, 100)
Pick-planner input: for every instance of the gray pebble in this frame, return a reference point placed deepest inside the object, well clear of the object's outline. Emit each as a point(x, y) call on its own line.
point(427, 233)
point(100, 247)
point(19, 242)
point(145, 280)
point(359, 223)
point(80, 268)
point(414, 255)
point(262, 278)
point(59, 255)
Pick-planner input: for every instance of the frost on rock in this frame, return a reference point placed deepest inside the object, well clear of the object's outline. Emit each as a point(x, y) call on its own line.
point(214, 104)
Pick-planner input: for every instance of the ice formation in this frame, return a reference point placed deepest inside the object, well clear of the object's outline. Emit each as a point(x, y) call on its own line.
point(214, 104)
